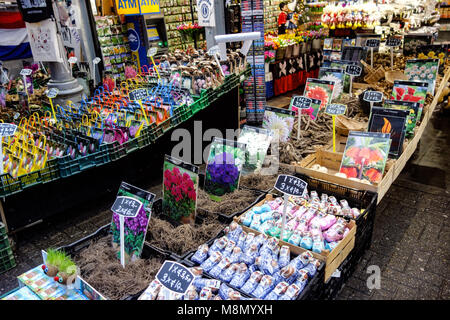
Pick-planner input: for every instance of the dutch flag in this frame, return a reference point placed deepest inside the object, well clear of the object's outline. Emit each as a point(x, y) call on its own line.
point(14, 42)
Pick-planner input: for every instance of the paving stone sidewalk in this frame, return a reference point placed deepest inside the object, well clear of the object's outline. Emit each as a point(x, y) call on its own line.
point(410, 240)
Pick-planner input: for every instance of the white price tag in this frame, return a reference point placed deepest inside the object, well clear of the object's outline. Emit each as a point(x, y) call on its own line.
point(152, 51)
point(25, 72)
point(73, 60)
point(96, 60)
point(336, 273)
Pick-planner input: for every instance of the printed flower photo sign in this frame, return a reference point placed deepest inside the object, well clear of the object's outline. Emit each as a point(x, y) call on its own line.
point(412, 107)
point(412, 91)
point(365, 155)
point(224, 166)
point(335, 75)
point(423, 70)
point(391, 121)
point(257, 141)
point(320, 90)
point(180, 189)
point(279, 121)
point(135, 228)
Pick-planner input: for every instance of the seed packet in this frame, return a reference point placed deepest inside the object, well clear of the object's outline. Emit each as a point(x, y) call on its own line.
point(257, 142)
point(135, 228)
point(224, 166)
point(412, 107)
point(335, 75)
point(180, 188)
point(280, 121)
point(365, 155)
point(412, 91)
point(348, 42)
point(423, 70)
point(391, 121)
point(319, 89)
point(328, 44)
point(335, 56)
point(337, 45)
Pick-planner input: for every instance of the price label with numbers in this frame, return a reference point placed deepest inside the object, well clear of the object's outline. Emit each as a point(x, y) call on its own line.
point(372, 43)
point(335, 109)
point(7, 129)
point(52, 93)
point(373, 96)
point(138, 94)
point(301, 102)
point(152, 51)
point(26, 72)
point(353, 70)
point(126, 206)
point(290, 185)
point(393, 42)
point(175, 277)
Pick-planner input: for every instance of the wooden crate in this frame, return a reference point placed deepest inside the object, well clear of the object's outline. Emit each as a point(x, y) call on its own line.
point(332, 259)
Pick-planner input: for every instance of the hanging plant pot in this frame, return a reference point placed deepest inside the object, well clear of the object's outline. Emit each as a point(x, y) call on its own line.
point(308, 46)
point(303, 47)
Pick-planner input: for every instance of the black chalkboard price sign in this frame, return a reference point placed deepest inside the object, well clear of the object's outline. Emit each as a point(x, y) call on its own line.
point(7, 129)
point(138, 94)
point(290, 185)
point(373, 96)
point(175, 277)
point(372, 43)
point(335, 109)
point(126, 206)
point(353, 70)
point(301, 102)
point(393, 42)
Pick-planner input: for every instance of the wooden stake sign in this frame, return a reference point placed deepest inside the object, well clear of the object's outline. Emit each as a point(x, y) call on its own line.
point(352, 71)
point(6, 130)
point(392, 42)
point(24, 73)
point(72, 61)
point(300, 102)
point(138, 95)
point(372, 43)
point(151, 52)
point(125, 207)
point(289, 185)
point(51, 94)
point(335, 110)
point(175, 277)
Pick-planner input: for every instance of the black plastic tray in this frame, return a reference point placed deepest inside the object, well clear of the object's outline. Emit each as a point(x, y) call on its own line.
point(147, 252)
point(157, 211)
point(308, 293)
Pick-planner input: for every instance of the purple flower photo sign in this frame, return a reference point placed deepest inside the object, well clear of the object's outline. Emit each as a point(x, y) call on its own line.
point(224, 166)
point(131, 215)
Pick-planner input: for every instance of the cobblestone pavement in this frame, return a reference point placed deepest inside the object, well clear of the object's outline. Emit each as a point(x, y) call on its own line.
point(410, 240)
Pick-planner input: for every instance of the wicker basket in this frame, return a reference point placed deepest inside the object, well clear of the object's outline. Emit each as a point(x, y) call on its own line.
point(395, 75)
point(375, 76)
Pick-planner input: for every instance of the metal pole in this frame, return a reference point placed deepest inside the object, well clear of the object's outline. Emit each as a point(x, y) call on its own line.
point(210, 32)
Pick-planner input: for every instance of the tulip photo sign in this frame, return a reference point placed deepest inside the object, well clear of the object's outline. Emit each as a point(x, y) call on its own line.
point(132, 211)
point(289, 185)
point(180, 188)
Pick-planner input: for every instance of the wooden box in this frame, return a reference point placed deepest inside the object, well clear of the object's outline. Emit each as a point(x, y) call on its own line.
point(332, 259)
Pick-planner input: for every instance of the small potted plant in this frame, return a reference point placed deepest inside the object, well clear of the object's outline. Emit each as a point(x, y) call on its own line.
point(67, 268)
point(52, 262)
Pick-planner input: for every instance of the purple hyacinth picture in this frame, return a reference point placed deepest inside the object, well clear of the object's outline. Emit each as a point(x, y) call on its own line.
point(135, 228)
point(224, 166)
